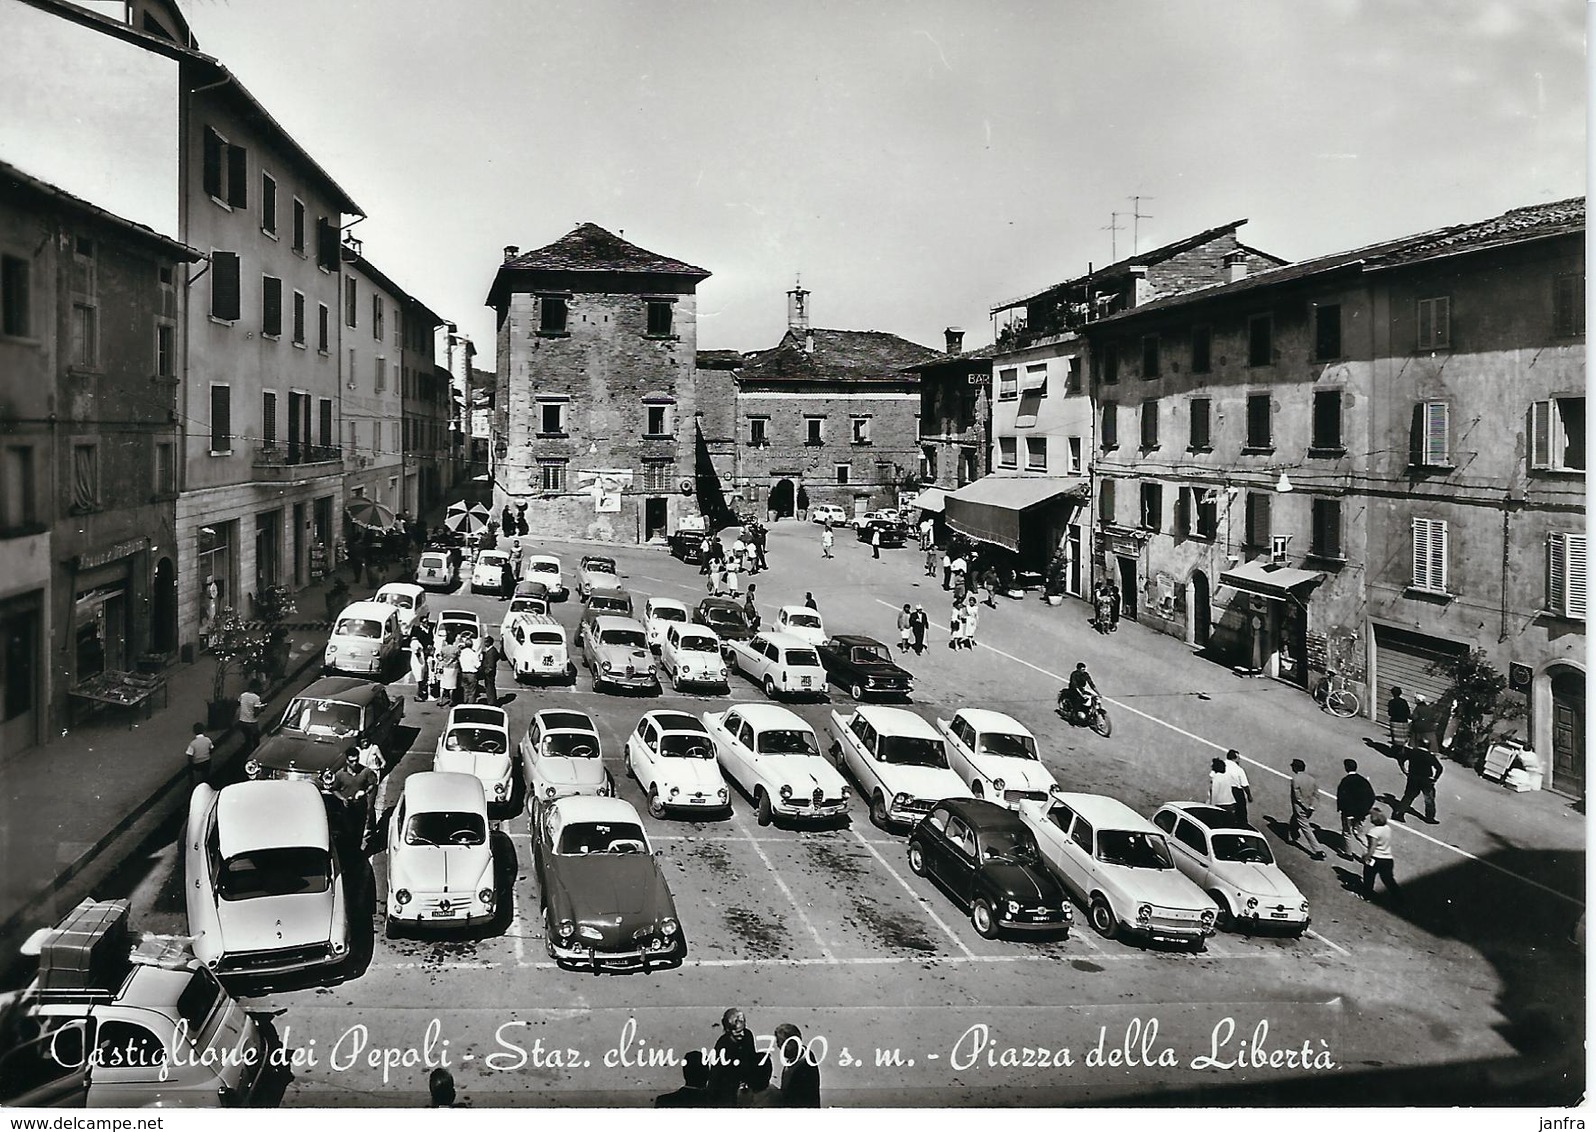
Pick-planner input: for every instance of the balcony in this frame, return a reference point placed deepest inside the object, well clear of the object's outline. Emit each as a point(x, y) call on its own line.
point(292, 463)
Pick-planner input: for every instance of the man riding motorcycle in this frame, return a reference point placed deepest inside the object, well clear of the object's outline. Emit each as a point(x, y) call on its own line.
point(1080, 693)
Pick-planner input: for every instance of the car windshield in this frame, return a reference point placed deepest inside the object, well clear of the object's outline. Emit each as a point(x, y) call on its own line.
point(484, 739)
point(546, 637)
point(1004, 746)
point(1010, 844)
point(1133, 849)
point(698, 644)
point(571, 745)
point(803, 658)
point(322, 717)
point(446, 827)
point(583, 838)
point(669, 613)
point(294, 871)
point(528, 605)
point(198, 999)
point(600, 566)
point(1246, 848)
point(493, 558)
point(679, 745)
point(545, 568)
point(403, 601)
point(804, 620)
point(357, 627)
point(432, 560)
point(629, 637)
point(788, 742)
point(913, 750)
point(869, 654)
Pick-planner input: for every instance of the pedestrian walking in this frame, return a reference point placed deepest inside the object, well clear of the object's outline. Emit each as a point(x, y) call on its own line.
point(918, 624)
point(1424, 770)
point(249, 708)
point(1354, 800)
point(1222, 790)
point(1239, 779)
point(1421, 729)
point(419, 668)
point(1400, 715)
point(1304, 797)
point(826, 539)
point(732, 1062)
point(927, 532)
point(759, 547)
point(449, 678)
point(809, 601)
point(703, 555)
point(931, 557)
point(694, 1092)
point(515, 559)
point(728, 580)
point(1379, 861)
point(800, 1076)
point(875, 542)
point(470, 669)
point(905, 628)
point(989, 587)
point(489, 675)
point(972, 616)
point(947, 570)
point(956, 627)
point(750, 610)
point(961, 569)
point(199, 756)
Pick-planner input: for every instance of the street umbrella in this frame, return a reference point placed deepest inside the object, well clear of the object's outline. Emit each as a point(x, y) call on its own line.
point(466, 518)
point(369, 513)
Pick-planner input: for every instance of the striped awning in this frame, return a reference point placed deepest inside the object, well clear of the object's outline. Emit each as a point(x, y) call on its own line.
point(931, 499)
point(989, 509)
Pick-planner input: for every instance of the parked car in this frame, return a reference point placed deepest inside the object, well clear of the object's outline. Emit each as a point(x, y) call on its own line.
point(617, 602)
point(561, 754)
point(883, 515)
point(687, 541)
point(365, 638)
point(437, 570)
point(774, 758)
point(778, 663)
point(605, 902)
point(535, 647)
point(457, 622)
point(476, 741)
point(1118, 865)
point(996, 756)
point(986, 858)
point(802, 622)
point(493, 574)
point(615, 651)
point(440, 864)
point(864, 666)
point(1232, 863)
point(892, 532)
point(321, 723)
point(545, 568)
point(899, 761)
point(691, 656)
point(659, 613)
point(724, 617)
point(531, 591)
point(264, 887)
point(597, 572)
point(828, 513)
point(672, 757)
point(408, 598)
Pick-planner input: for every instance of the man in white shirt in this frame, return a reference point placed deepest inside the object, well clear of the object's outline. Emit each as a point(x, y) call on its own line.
point(250, 706)
point(470, 667)
point(1239, 780)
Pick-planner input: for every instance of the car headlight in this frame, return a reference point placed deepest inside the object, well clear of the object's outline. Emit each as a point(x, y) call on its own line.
point(327, 776)
point(501, 788)
point(786, 793)
point(846, 793)
point(669, 927)
point(1014, 907)
point(1144, 913)
point(607, 666)
point(339, 947)
point(1208, 917)
point(566, 929)
point(675, 790)
point(549, 792)
point(998, 785)
point(401, 896)
point(1304, 907)
point(331, 649)
point(604, 790)
point(1252, 902)
point(900, 800)
point(252, 768)
point(725, 796)
point(486, 896)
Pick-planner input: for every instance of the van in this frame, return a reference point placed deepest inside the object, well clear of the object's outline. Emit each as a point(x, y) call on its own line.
point(365, 638)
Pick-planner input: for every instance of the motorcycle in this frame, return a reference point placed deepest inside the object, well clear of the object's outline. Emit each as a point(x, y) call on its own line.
point(1089, 713)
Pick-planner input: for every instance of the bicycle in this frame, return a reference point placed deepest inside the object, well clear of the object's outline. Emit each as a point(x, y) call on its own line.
point(1335, 697)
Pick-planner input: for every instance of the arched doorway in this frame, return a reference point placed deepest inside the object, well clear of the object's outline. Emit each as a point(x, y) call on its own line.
point(163, 608)
point(1197, 600)
point(1568, 730)
point(781, 499)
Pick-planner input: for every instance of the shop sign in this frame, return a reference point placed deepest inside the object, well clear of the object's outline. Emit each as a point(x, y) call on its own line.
point(94, 559)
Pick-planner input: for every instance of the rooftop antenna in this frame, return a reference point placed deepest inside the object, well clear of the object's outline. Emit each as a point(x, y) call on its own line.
point(1137, 215)
point(1112, 227)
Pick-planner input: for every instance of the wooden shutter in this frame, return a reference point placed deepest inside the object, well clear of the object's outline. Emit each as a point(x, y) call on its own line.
point(224, 286)
point(221, 419)
point(1110, 424)
point(326, 243)
point(271, 305)
point(211, 175)
point(1437, 434)
point(1199, 422)
point(1183, 511)
point(1429, 554)
point(1257, 519)
point(1541, 434)
point(1565, 575)
point(238, 176)
point(268, 417)
point(326, 421)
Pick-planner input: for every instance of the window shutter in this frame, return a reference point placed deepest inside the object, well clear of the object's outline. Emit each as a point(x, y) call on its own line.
point(212, 172)
point(326, 243)
point(1541, 434)
point(221, 419)
point(1426, 319)
point(1574, 565)
point(237, 176)
point(1437, 433)
point(224, 286)
point(271, 305)
point(1429, 554)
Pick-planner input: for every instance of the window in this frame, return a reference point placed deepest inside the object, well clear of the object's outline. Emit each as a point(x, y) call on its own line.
point(1152, 507)
point(1202, 349)
point(1557, 434)
point(814, 431)
point(19, 505)
point(85, 336)
point(354, 438)
point(323, 327)
point(1008, 452)
point(1105, 501)
point(1035, 382)
point(1150, 424)
point(85, 484)
point(268, 417)
point(299, 226)
point(1260, 340)
point(758, 435)
point(224, 286)
point(268, 204)
point(1036, 453)
point(299, 318)
point(1435, 323)
point(380, 374)
point(326, 244)
point(1326, 538)
point(657, 475)
point(1110, 429)
point(844, 472)
point(1110, 370)
point(1327, 423)
point(659, 420)
point(1565, 575)
point(271, 306)
point(221, 420)
point(1431, 443)
point(165, 468)
point(1257, 520)
point(1075, 456)
point(553, 313)
point(1200, 512)
point(225, 170)
point(1260, 423)
point(1429, 555)
point(165, 349)
point(1072, 382)
point(1326, 331)
point(324, 407)
point(659, 318)
point(16, 302)
point(551, 418)
point(1199, 411)
point(1008, 384)
point(859, 430)
point(378, 326)
point(1568, 305)
point(351, 302)
point(1149, 355)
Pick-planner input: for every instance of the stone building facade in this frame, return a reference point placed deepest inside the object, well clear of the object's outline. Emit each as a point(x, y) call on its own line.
point(372, 366)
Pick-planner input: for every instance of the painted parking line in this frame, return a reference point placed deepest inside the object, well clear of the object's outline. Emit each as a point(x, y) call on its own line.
point(1461, 852)
point(1328, 943)
point(913, 895)
point(787, 892)
point(1124, 956)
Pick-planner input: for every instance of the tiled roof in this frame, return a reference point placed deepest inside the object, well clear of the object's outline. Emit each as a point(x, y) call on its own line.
point(984, 354)
point(588, 247)
point(719, 359)
point(12, 177)
point(838, 356)
point(1533, 221)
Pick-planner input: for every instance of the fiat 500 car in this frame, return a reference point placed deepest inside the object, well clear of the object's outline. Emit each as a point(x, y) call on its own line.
point(561, 754)
point(691, 657)
point(534, 644)
point(476, 741)
point(440, 864)
point(546, 568)
point(672, 757)
point(985, 857)
point(1232, 862)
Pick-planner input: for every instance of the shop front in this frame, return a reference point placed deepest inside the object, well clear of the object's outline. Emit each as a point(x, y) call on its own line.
point(1274, 607)
point(22, 670)
point(109, 601)
point(1027, 516)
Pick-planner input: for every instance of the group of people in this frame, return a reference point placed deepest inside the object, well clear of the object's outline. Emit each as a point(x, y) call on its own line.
point(1417, 731)
point(1106, 605)
point(721, 565)
point(912, 626)
point(459, 669)
point(737, 1075)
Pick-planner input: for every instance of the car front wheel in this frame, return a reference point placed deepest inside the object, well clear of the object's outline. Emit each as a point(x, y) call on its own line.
point(1102, 917)
point(878, 810)
point(857, 692)
point(984, 921)
point(1224, 921)
point(916, 859)
point(656, 806)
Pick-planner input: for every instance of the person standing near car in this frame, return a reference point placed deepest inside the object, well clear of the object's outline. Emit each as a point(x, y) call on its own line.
point(826, 540)
point(1239, 779)
point(1221, 787)
point(249, 708)
point(420, 669)
point(356, 787)
point(750, 610)
point(875, 541)
point(199, 756)
point(919, 622)
point(489, 675)
point(470, 669)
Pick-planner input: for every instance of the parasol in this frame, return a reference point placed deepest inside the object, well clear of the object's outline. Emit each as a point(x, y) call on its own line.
point(369, 513)
point(466, 518)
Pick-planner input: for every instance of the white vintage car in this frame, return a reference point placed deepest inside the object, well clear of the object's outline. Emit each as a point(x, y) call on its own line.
point(561, 755)
point(436, 570)
point(828, 513)
point(778, 663)
point(659, 614)
point(773, 757)
point(365, 639)
point(898, 759)
point(802, 622)
point(1231, 861)
point(671, 756)
point(457, 621)
point(545, 568)
point(996, 756)
point(492, 573)
point(408, 598)
point(264, 888)
point(476, 741)
point(1118, 865)
point(534, 645)
point(690, 655)
point(615, 651)
point(597, 572)
point(440, 864)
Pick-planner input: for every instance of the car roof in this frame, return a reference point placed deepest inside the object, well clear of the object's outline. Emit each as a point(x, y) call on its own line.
point(536, 620)
point(662, 602)
point(504, 554)
point(981, 813)
point(789, 641)
point(458, 615)
point(800, 609)
point(983, 719)
point(588, 559)
point(849, 640)
point(565, 719)
point(402, 588)
point(554, 558)
point(614, 621)
point(1101, 810)
point(898, 721)
point(478, 713)
point(770, 715)
point(669, 720)
point(444, 790)
point(377, 610)
point(611, 593)
point(1211, 817)
point(344, 689)
point(719, 603)
point(591, 808)
point(270, 814)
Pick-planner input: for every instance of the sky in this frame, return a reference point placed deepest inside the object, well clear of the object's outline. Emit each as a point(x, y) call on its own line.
point(916, 163)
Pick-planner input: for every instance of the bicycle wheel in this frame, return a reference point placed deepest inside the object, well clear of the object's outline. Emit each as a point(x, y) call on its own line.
point(1342, 703)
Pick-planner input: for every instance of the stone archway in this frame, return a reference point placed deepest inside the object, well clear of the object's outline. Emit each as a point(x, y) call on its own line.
point(1199, 603)
point(781, 499)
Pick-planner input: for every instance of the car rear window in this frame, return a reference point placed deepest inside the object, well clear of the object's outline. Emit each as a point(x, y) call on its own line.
point(528, 605)
point(545, 568)
point(446, 827)
point(807, 620)
point(609, 602)
point(583, 838)
point(432, 561)
point(295, 871)
point(403, 601)
point(547, 637)
point(803, 658)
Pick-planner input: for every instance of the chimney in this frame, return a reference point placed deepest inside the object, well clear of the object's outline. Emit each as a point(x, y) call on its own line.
point(511, 251)
point(1235, 266)
point(809, 340)
point(798, 307)
point(955, 339)
point(1141, 289)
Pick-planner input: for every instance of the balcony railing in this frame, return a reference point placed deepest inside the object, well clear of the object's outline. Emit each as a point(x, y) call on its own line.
point(294, 461)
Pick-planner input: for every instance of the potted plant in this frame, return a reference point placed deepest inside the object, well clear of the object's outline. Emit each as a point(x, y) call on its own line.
point(237, 648)
point(1055, 585)
point(1481, 707)
point(803, 503)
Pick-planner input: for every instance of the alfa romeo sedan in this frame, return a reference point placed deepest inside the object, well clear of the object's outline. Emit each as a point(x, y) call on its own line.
point(615, 651)
point(774, 758)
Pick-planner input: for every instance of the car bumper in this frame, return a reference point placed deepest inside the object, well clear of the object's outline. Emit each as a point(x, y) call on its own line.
point(911, 813)
point(443, 909)
point(697, 802)
point(686, 681)
point(1168, 932)
point(279, 961)
point(815, 687)
point(1051, 921)
point(548, 670)
point(622, 680)
point(1263, 916)
point(363, 666)
point(796, 809)
point(588, 958)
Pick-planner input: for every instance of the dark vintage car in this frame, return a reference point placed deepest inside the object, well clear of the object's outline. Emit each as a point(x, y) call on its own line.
point(725, 618)
point(613, 603)
point(985, 857)
point(320, 724)
point(688, 545)
point(605, 902)
point(892, 534)
point(864, 666)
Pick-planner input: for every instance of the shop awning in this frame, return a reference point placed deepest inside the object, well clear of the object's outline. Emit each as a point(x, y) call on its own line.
point(989, 509)
point(931, 499)
point(1267, 579)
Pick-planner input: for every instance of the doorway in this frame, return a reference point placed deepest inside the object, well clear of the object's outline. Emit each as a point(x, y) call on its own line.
point(781, 499)
point(1072, 561)
point(654, 517)
point(1568, 732)
point(1127, 587)
point(301, 544)
point(1201, 611)
point(1291, 638)
point(163, 608)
